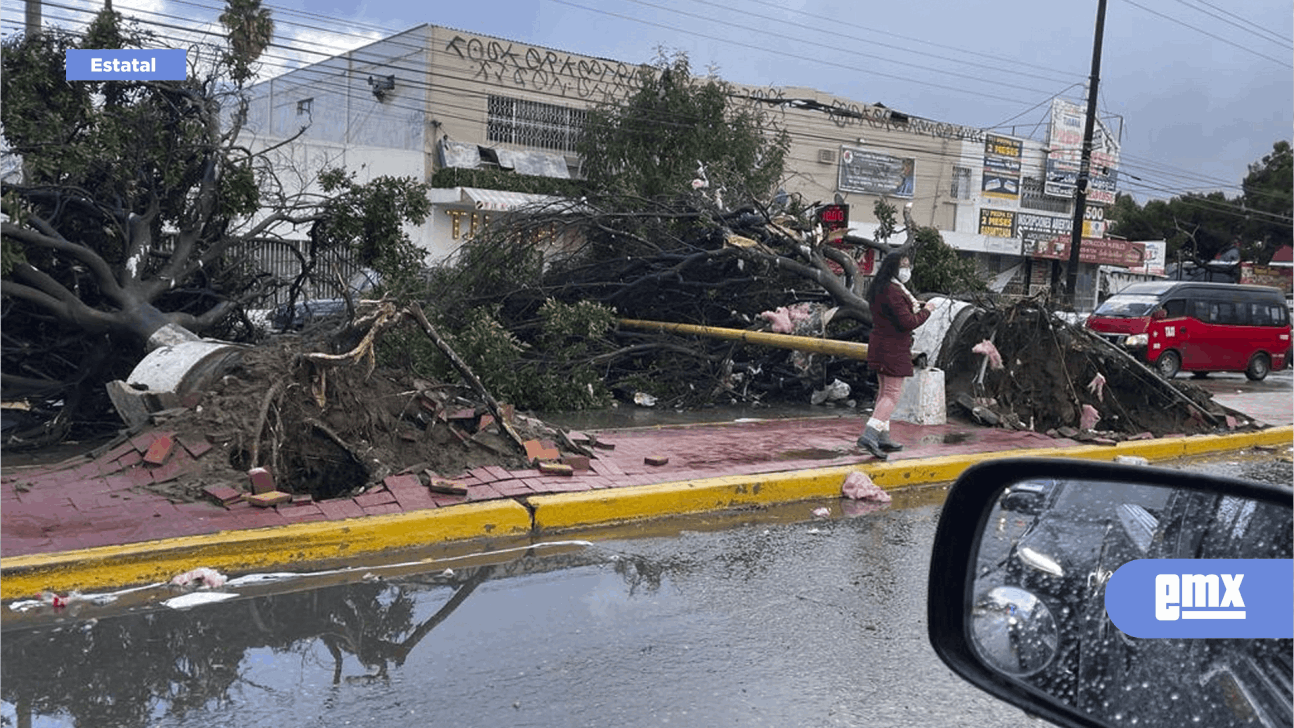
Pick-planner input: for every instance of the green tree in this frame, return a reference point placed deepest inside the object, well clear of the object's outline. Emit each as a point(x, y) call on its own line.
point(250, 30)
point(134, 202)
point(652, 143)
point(1268, 200)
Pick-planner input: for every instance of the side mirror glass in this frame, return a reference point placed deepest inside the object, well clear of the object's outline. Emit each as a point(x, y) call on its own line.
point(1028, 549)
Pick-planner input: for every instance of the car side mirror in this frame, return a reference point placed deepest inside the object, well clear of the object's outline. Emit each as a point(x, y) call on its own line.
point(1041, 578)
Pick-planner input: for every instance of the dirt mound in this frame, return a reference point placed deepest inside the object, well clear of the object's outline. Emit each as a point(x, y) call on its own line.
point(1053, 374)
point(332, 430)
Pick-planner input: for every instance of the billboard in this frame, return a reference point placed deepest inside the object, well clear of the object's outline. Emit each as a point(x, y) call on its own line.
point(875, 173)
point(1064, 157)
point(997, 223)
point(1001, 167)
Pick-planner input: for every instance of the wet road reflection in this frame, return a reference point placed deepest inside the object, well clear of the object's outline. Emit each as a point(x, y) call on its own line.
point(777, 620)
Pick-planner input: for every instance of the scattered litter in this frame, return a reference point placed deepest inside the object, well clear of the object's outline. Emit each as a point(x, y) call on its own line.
point(833, 392)
point(987, 348)
point(201, 578)
point(822, 512)
point(1131, 460)
point(642, 399)
point(1097, 386)
point(859, 486)
point(195, 599)
point(1089, 417)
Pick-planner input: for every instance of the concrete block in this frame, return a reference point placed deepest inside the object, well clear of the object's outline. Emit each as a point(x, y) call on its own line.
point(922, 400)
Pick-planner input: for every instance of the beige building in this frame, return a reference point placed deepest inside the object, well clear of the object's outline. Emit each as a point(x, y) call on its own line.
point(432, 98)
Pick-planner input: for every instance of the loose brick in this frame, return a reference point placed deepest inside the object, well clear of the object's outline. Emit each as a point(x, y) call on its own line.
point(577, 462)
point(262, 480)
point(440, 485)
point(556, 469)
point(272, 498)
point(159, 450)
point(537, 452)
point(656, 460)
point(222, 494)
point(197, 446)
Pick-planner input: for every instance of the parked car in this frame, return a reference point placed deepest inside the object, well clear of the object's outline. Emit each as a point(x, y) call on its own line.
point(1008, 638)
point(1055, 556)
point(1199, 327)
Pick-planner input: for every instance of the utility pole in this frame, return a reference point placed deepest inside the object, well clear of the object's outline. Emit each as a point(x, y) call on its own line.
point(1085, 160)
point(33, 17)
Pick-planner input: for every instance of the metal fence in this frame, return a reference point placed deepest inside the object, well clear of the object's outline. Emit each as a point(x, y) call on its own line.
point(330, 270)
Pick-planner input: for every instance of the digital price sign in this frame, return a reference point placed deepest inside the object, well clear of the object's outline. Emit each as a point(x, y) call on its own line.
point(833, 217)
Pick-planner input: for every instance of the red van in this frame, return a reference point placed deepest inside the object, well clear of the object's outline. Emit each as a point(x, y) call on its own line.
point(1199, 327)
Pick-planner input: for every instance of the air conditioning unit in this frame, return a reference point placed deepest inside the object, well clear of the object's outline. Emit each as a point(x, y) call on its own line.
point(827, 156)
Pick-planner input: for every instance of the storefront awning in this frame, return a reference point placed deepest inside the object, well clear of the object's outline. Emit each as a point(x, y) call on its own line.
point(500, 201)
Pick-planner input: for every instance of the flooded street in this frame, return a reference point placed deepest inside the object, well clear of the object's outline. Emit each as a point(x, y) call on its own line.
point(780, 620)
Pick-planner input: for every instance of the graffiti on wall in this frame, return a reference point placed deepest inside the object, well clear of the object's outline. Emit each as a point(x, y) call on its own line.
point(846, 114)
point(541, 69)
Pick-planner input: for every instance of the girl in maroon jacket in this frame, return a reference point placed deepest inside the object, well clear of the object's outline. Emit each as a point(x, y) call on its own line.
point(895, 313)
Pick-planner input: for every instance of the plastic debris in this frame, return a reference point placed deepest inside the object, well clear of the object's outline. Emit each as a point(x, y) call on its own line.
point(1097, 386)
point(1089, 417)
point(196, 599)
point(821, 512)
point(833, 392)
point(1131, 460)
point(642, 399)
point(987, 348)
point(201, 577)
point(780, 319)
point(859, 486)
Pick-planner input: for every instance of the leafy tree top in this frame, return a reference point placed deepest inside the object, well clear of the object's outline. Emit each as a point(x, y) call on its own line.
point(654, 143)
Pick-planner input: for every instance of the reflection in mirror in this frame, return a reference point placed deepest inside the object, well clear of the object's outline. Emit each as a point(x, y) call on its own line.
point(1014, 630)
point(1038, 603)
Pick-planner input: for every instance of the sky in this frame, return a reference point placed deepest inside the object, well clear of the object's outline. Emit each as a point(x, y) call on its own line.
point(1198, 90)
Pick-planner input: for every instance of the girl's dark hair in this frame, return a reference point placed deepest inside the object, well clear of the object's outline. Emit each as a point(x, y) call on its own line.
point(887, 271)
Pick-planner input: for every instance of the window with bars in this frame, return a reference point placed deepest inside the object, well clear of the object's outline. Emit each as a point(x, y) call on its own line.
point(961, 189)
point(1032, 198)
point(534, 124)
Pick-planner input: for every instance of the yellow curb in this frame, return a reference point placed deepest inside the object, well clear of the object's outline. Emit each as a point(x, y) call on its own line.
point(257, 549)
point(305, 543)
point(566, 511)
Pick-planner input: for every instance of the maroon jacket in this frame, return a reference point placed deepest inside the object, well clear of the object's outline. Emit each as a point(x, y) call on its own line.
point(890, 349)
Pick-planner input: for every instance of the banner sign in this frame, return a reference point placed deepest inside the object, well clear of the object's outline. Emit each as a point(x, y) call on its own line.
point(874, 173)
point(1097, 251)
point(997, 223)
point(1002, 167)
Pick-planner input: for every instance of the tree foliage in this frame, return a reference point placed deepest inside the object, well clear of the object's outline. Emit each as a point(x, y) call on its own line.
point(652, 143)
point(138, 205)
point(1199, 226)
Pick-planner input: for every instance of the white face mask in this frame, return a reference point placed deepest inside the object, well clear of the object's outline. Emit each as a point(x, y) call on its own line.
point(905, 274)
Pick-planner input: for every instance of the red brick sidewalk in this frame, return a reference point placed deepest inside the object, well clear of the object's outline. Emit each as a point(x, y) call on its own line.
point(83, 503)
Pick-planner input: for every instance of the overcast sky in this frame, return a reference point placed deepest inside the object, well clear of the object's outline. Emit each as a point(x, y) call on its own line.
point(1200, 89)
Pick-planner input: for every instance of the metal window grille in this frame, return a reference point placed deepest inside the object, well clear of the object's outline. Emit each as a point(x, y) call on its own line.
point(1032, 197)
point(533, 124)
point(961, 183)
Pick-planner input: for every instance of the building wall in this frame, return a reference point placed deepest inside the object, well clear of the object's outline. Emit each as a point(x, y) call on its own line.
point(491, 92)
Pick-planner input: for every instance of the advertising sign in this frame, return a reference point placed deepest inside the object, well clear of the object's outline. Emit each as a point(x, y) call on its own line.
point(1098, 251)
point(997, 223)
point(1065, 156)
point(874, 173)
point(1002, 167)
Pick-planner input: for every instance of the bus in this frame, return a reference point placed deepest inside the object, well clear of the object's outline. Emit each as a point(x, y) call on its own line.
point(1199, 327)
